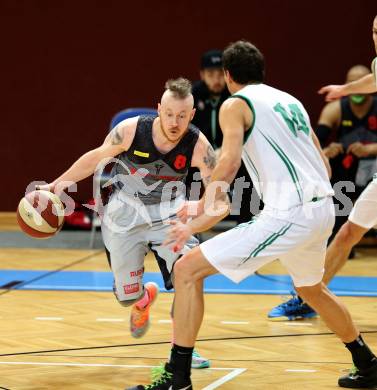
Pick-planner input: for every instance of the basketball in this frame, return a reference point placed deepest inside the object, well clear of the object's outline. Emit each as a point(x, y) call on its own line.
point(40, 214)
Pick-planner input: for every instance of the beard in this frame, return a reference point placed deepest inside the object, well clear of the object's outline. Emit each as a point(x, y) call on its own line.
point(176, 129)
point(216, 90)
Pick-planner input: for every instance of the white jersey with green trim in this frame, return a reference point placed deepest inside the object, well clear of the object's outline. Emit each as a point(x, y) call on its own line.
point(374, 69)
point(279, 153)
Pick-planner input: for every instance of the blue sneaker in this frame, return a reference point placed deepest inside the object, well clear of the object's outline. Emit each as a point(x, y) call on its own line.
point(292, 309)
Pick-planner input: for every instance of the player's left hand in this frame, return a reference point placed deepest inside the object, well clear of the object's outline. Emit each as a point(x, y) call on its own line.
point(359, 150)
point(333, 92)
point(190, 209)
point(178, 234)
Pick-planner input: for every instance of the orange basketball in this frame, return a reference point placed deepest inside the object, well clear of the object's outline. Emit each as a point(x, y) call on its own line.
point(40, 214)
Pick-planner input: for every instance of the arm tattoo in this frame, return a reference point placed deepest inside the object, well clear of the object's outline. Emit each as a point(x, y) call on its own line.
point(117, 136)
point(210, 158)
point(223, 196)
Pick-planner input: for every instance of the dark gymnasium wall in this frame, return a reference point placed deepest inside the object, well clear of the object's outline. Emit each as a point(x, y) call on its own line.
point(67, 66)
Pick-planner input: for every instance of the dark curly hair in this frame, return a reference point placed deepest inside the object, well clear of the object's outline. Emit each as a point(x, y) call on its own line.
point(244, 62)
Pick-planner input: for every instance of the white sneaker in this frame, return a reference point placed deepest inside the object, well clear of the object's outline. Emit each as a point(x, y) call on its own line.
point(199, 361)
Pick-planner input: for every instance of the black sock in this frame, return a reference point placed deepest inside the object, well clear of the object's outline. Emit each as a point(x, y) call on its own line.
point(363, 358)
point(180, 360)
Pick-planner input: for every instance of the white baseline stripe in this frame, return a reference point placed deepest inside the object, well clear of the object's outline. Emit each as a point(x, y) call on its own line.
point(298, 324)
point(225, 379)
point(49, 318)
point(110, 320)
point(164, 321)
point(300, 370)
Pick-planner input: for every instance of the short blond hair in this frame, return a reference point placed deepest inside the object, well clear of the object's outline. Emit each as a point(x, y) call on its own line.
point(180, 87)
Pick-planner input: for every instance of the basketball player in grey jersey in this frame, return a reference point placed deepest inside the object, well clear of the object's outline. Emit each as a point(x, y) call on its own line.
point(153, 157)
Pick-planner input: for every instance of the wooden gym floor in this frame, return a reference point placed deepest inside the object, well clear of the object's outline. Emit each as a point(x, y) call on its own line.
point(80, 340)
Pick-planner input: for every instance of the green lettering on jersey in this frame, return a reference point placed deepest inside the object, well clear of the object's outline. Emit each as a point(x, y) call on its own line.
point(294, 119)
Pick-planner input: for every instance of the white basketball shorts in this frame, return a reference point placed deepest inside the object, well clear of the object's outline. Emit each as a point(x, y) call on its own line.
point(364, 212)
point(297, 237)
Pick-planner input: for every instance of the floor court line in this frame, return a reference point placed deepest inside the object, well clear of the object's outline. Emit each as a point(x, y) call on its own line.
point(235, 372)
point(49, 318)
point(273, 336)
point(43, 274)
point(101, 281)
point(110, 319)
point(293, 370)
point(214, 385)
point(298, 324)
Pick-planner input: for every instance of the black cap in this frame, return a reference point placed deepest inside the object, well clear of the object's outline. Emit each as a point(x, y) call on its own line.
point(212, 59)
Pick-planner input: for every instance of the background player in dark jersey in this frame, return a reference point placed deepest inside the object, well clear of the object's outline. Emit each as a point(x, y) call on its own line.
point(346, 130)
point(153, 156)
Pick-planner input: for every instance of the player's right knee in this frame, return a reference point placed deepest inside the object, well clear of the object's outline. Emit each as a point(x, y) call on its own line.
point(349, 234)
point(181, 272)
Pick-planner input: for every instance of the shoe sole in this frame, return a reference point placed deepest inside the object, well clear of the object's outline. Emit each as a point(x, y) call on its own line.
point(136, 335)
point(143, 331)
point(348, 384)
point(205, 364)
point(355, 386)
point(292, 318)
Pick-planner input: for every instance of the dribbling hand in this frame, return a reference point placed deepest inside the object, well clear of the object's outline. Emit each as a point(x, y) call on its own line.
point(178, 235)
point(190, 209)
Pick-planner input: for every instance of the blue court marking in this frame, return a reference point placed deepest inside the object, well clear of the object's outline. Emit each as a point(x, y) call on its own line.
point(256, 284)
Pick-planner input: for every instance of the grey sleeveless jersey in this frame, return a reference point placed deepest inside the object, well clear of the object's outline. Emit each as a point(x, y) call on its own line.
point(142, 171)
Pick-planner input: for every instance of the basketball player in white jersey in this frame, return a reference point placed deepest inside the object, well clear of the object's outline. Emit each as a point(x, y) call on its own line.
point(272, 132)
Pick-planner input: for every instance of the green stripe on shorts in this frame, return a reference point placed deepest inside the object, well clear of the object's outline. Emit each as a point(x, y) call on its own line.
point(269, 240)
